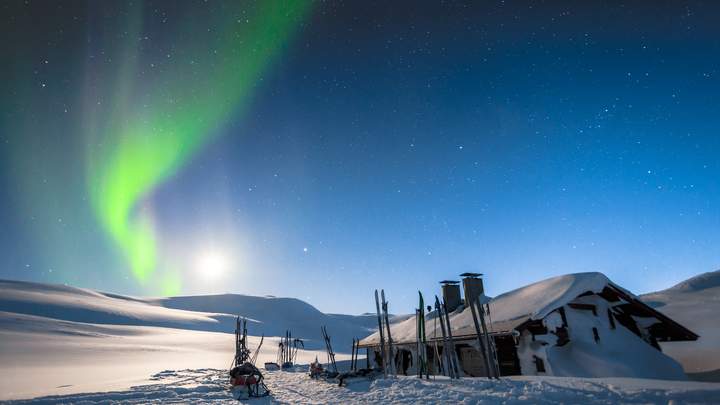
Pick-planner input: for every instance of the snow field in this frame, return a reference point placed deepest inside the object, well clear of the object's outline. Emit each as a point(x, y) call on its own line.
point(202, 386)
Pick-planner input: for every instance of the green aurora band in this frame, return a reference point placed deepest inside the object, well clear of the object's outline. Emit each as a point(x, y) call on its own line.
point(144, 147)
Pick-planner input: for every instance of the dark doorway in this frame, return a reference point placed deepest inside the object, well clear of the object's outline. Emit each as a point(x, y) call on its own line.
point(507, 355)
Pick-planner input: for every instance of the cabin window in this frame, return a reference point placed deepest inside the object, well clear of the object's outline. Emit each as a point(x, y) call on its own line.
point(587, 307)
point(611, 318)
point(539, 364)
point(563, 337)
point(596, 335)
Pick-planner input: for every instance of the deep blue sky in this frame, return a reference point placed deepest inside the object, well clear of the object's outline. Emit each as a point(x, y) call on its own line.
point(393, 145)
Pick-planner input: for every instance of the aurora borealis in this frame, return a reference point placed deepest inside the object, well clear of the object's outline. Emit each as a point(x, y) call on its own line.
point(149, 131)
point(146, 147)
point(305, 147)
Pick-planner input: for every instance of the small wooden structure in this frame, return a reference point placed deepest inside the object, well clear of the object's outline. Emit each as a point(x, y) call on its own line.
point(552, 328)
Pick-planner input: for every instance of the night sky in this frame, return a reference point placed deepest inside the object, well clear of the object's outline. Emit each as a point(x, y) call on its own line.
point(322, 150)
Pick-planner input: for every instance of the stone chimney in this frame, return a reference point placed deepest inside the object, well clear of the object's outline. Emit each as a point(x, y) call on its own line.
point(472, 286)
point(451, 294)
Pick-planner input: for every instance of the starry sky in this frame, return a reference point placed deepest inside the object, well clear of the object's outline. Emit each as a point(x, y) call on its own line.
point(321, 150)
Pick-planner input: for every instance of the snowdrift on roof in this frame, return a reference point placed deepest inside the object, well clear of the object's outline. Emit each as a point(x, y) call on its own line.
point(510, 309)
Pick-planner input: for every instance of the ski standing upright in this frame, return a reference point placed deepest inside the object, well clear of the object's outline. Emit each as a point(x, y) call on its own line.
point(447, 366)
point(391, 354)
point(382, 334)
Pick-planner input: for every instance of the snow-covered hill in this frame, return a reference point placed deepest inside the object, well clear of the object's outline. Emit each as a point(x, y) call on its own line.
point(82, 305)
point(695, 303)
point(272, 316)
point(58, 339)
point(213, 313)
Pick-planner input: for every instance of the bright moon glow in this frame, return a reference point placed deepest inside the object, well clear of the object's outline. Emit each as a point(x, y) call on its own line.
point(212, 265)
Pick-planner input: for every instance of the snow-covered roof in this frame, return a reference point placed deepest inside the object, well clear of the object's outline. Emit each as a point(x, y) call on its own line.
point(509, 310)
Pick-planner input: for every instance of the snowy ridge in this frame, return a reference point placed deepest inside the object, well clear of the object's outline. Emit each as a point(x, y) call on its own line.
point(272, 316)
point(698, 283)
point(81, 305)
point(216, 313)
point(695, 303)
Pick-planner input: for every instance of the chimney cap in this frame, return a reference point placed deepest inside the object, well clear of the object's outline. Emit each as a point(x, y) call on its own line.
point(471, 275)
point(449, 282)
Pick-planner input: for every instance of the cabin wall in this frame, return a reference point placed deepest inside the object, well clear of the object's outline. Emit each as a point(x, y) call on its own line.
point(471, 360)
point(436, 358)
point(398, 352)
point(374, 357)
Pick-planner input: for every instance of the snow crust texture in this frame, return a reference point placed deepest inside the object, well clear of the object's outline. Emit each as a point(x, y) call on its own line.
point(203, 386)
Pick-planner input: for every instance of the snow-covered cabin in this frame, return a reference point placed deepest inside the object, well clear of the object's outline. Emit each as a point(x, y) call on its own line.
point(580, 325)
